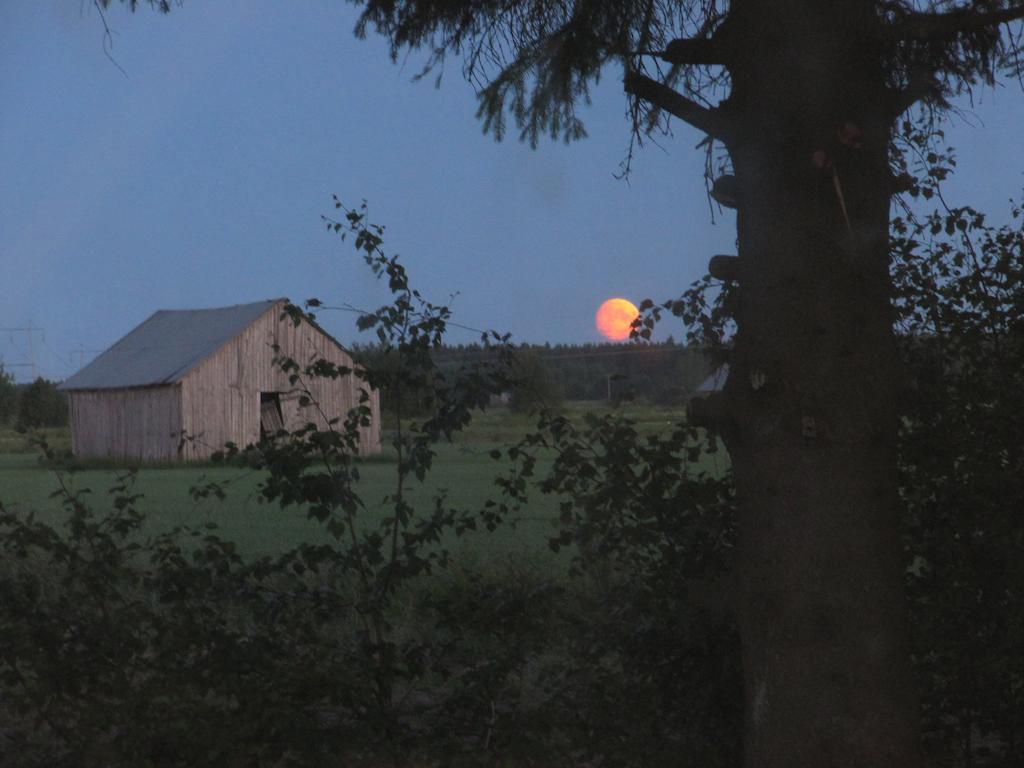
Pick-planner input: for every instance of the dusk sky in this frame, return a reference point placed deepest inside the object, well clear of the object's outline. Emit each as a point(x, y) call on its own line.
point(199, 179)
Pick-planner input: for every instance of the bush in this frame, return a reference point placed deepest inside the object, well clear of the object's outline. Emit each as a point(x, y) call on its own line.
point(42, 405)
point(962, 479)
point(533, 385)
point(8, 396)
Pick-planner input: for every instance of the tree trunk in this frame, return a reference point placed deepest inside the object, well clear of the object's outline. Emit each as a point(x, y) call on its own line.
point(812, 395)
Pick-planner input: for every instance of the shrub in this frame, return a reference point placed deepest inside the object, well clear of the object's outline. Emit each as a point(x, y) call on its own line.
point(8, 396)
point(42, 405)
point(533, 385)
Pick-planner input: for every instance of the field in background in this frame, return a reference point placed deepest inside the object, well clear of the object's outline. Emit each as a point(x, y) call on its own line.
point(463, 469)
point(14, 442)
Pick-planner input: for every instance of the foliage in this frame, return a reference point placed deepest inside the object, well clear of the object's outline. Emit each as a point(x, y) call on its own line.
point(533, 387)
point(41, 404)
point(662, 373)
point(651, 530)
point(8, 396)
point(385, 362)
point(960, 307)
point(537, 60)
point(619, 488)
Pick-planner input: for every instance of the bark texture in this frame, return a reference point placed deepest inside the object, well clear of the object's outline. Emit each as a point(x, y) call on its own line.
point(811, 423)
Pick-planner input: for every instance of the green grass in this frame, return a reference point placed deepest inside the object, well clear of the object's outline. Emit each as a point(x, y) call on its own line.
point(265, 528)
point(14, 442)
point(463, 470)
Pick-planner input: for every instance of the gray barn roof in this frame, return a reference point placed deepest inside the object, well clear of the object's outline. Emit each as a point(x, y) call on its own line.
point(166, 346)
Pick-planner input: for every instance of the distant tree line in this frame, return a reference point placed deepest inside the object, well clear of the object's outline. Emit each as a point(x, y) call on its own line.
point(39, 404)
point(664, 373)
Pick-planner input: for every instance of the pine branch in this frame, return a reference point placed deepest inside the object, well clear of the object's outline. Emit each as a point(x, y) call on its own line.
point(922, 86)
point(694, 51)
point(943, 26)
point(661, 96)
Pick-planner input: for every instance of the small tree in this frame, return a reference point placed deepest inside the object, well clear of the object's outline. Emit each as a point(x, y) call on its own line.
point(8, 396)
point(42, 405)
point(533, 386)
point(404, 397)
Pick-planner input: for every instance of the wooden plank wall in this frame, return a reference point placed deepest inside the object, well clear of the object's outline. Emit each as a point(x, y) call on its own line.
point(221, 396)
point(141, 423)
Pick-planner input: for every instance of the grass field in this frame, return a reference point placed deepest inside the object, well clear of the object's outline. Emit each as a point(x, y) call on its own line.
point(462, 469)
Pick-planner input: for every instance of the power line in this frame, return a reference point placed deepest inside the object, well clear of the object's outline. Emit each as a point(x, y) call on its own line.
point(29, 332)
point(633, 349)
point(614, 352)
point(67, 365)
point(350, 308)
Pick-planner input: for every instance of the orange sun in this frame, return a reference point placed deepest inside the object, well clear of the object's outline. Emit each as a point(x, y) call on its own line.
point(615, 317)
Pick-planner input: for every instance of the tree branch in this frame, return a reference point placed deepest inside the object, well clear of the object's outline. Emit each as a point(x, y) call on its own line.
point(694, 51)
point(108, 36)
point(661, 96)
point(942, 26)
point(922, 85)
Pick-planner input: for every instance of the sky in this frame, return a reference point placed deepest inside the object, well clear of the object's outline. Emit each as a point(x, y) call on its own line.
point(193, 171)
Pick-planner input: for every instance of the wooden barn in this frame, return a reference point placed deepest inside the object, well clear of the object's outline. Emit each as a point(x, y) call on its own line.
point(207, 374)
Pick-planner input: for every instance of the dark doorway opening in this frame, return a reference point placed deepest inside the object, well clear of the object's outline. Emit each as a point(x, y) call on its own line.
point(271, 417)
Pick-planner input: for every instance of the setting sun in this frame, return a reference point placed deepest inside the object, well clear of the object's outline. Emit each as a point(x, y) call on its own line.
point(615, 317)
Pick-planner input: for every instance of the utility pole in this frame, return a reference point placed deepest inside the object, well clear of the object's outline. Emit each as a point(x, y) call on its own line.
point(29, 332)
point(32, 351)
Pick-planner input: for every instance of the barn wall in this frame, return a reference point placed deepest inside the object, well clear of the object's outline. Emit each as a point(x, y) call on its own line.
point(221, 396)
point(140, 423)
